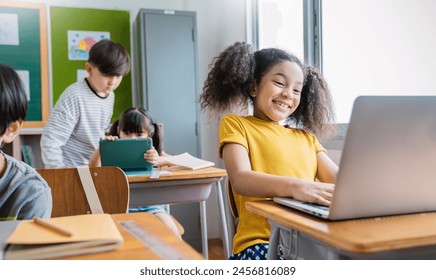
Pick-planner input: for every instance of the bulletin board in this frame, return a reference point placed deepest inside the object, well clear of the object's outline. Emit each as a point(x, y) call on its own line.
point(65, 68)
point(23, 46)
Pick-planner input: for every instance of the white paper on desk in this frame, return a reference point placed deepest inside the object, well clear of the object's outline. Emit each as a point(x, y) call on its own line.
point(190, 162)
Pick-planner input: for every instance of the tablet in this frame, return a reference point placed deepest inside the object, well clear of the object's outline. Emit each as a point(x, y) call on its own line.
point(127, 154)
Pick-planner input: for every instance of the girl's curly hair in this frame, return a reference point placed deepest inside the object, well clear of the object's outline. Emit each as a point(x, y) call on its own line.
point(316, 111)
point(229, 82)
point(237, 69)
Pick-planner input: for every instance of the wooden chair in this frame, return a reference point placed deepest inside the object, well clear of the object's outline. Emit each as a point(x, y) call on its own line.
point(69, 197)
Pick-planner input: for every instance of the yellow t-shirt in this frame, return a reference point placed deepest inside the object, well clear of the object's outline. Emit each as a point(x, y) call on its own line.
point(272, 149)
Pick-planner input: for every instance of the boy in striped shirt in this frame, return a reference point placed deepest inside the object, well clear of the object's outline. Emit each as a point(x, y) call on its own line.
point(84, 110)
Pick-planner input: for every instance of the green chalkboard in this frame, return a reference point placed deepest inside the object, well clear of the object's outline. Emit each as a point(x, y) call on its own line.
point(28, 54)
point(116, 23)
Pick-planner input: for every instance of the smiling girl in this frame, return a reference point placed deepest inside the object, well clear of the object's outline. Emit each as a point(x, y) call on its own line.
point(275, 151)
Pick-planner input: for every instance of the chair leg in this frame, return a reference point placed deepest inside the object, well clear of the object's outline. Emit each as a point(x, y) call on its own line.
point(273, 243)
point(224, 219)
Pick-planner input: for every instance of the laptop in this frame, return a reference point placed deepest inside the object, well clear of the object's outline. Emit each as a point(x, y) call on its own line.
point(127, 154)
point(388, 163)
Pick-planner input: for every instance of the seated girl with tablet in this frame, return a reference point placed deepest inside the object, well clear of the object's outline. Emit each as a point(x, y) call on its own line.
point(137, 123)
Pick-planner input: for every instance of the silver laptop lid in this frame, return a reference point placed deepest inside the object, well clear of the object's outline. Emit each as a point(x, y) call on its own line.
point(388, 164)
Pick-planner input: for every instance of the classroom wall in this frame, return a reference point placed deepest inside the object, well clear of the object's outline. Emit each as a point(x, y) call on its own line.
point(220, 23)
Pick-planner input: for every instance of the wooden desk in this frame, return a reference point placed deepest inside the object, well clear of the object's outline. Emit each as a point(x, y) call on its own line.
point(395, 237)
point(181, 186)
point(134, 249)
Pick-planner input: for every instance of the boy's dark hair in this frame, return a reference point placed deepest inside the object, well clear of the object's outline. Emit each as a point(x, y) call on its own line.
point(110, 57)
point(136, 120)
point(13, 101)
point(237, 69)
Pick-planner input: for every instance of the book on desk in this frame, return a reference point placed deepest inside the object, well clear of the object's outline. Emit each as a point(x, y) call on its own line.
point(87, 234)
point(187, 161)
point(183, 161)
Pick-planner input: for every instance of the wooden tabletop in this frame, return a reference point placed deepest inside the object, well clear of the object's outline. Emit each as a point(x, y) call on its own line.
point(133, 249)
point(359, 235)
point(182, 174)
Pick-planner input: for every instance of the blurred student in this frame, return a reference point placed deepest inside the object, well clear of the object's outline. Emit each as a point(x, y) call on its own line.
point(23, 192)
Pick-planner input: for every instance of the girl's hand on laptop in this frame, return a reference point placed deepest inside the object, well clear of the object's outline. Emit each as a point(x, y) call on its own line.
point(314, 192)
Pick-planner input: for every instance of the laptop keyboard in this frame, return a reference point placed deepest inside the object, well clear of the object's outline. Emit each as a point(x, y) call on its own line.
point(322, 207)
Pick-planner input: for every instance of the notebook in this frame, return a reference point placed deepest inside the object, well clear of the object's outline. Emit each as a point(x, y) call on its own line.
point(388, 163)
point(127, 154)
point(187, 161)
point(90, 234)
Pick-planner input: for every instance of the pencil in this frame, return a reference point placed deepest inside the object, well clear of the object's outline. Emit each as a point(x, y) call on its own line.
point(53, 227)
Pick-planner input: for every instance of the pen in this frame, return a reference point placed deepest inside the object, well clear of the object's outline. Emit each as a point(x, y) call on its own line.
point(53, 227)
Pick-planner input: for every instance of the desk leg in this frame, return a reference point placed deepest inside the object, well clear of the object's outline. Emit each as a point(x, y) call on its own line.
point(273, 243)
point(223, 220)
point(203, 225)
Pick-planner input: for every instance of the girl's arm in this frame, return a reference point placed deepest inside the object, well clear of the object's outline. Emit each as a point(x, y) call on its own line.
point(164, 154)
point(327, 169)
point(153, 157)
point(247, 182)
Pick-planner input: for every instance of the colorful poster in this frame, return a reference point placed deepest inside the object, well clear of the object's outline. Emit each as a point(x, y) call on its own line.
point(80, 42)
point(9, 34)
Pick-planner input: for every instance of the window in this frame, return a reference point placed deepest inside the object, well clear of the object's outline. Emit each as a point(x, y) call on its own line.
point(280, 24)
point(366, 47)
point(373, 47)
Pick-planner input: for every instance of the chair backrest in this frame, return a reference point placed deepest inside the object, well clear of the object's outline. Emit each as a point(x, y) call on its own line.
point(231, 200)
point(231, 213)
point(69, 197)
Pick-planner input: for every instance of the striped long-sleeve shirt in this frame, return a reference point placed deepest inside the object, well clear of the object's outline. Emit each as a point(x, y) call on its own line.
point(76, 123)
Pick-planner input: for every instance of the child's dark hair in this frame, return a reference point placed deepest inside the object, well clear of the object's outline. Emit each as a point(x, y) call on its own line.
point(138, 121)
point(234, 72)
point(110, 57)
point(13, 101)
